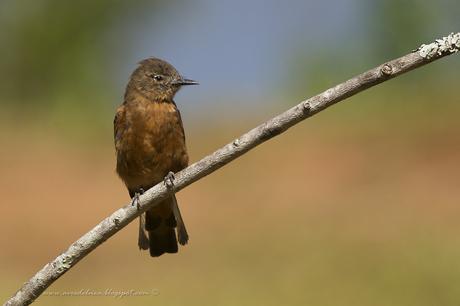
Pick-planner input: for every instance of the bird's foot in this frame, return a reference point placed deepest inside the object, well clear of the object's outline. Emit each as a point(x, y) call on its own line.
point(135, 200)
point(169, 180)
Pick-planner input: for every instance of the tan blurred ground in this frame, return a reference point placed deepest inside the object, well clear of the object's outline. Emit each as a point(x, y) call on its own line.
point(349, 214)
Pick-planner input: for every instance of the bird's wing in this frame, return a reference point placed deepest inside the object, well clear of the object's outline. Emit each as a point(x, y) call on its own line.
point(181, 126)
point(184, 163)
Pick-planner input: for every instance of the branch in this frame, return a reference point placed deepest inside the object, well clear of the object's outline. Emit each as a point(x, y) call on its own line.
point(273, 127)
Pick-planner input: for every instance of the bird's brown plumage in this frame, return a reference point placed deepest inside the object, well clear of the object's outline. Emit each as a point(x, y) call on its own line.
point(150, 143)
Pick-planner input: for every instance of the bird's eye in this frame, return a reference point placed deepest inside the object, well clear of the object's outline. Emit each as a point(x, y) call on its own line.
point(157, 77)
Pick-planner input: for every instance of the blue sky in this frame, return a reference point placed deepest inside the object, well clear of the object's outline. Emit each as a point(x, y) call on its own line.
point(236, 49)
point(241, 50)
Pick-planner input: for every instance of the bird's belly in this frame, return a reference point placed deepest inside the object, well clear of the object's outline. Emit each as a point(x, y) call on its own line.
point(153, 152)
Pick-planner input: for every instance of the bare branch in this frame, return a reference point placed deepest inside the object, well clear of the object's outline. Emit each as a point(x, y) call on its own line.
point(273, 127)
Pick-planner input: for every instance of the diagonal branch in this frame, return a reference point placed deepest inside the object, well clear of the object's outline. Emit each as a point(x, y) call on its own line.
point(273, 127)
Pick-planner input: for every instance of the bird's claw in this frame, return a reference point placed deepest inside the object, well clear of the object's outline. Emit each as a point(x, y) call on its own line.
point(135, 200)
point(169, 180)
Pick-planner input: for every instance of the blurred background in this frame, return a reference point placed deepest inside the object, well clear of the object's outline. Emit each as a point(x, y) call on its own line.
point(356, 206)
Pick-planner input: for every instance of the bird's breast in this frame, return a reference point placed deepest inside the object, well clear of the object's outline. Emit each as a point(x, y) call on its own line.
point(152, 144)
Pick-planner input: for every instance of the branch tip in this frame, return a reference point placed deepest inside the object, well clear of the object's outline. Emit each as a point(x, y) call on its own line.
point(446, 45)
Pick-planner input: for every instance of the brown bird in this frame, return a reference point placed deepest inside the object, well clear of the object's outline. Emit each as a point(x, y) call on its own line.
point(150, 144)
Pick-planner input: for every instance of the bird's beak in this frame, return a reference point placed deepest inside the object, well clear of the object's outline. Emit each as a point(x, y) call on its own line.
point(183, 81)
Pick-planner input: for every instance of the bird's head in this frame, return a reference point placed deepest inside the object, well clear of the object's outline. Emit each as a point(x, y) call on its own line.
point(157, 80)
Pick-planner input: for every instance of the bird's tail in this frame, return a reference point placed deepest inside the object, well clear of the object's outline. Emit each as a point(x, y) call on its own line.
point(160, 224)
point(161, 232)
point(159, 240)
point(162, 240)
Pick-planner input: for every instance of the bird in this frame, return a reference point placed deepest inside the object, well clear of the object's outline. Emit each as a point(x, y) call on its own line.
point(150, 146)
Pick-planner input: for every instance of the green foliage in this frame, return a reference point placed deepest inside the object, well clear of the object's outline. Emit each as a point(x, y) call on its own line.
point(55, 51)
point(395, 25)
point(392, 28)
